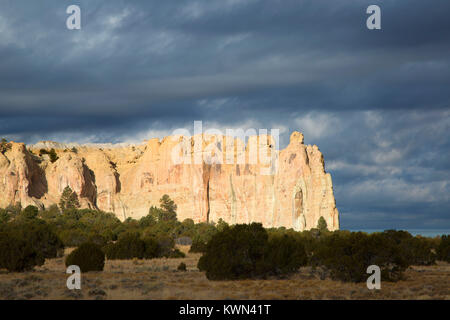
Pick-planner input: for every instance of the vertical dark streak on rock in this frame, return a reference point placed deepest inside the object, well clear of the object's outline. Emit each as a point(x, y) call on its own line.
point(207, 202)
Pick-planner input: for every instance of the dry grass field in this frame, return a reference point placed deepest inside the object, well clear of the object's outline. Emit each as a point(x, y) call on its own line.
point(159, 279)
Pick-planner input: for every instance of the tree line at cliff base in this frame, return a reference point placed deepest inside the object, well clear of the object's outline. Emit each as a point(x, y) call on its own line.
point(246, 251)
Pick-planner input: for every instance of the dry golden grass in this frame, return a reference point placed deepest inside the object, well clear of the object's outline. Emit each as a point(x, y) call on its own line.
point(159, 279)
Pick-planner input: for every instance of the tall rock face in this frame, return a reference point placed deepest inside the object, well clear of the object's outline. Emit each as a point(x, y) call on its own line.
point(208, 176)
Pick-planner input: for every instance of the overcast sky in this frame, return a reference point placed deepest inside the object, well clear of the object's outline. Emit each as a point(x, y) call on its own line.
point(376, 102)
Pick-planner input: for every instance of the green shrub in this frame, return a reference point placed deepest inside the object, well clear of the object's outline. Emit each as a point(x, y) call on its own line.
point(52, 153)
point(166, 244)
point(88, 256)
point(98, 239)
point(70, 215)
point(17, 254)
point(40, 236)
point(30, 212)
point(52, 212)
point(421, 252)
point(147, 221)
point(151, 248)
point(73, 238)
point(203, 232)
point(414, 250)
point(198, 246)
point(347, 256)
point(130, 246)
point(443, 250)
point(244, 251)
point(221, 224)
point(182, 266)
point(24, 245)
point(53, 156)
point(284, 254)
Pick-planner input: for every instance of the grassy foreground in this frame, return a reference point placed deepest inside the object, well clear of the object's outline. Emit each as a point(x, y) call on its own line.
point(159, 279)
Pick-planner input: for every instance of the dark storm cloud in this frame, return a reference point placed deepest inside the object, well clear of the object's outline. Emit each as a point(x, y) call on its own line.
point(376, 102)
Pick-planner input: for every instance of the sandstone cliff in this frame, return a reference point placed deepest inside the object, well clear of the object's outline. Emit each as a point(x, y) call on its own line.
point(232, 181)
